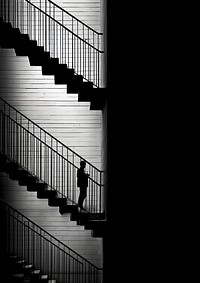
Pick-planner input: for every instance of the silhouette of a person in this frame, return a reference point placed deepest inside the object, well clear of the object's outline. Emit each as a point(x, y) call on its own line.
point(82, 183)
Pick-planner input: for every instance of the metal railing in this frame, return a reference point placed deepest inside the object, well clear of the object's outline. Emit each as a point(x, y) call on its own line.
point(26, 143)
point(65, 37)
point(71, 22)
point(23, 238)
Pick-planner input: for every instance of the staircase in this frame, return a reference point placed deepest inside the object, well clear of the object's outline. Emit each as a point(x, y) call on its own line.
point(27, 29)
point(36, 34)
point(34, 188)
point(87, 12)
point(19, 271)
point(29, 148)
point(50, 107)
point(30, 254)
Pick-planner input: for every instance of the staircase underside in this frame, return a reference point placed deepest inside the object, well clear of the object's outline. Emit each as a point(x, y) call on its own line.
point(90, 228)
point(12, 38)
point(91, 221)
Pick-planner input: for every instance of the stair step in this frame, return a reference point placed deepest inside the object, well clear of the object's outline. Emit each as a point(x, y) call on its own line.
point(27, 269)
point(13, 258)
point(74, 84)
point(38, 57)
point(28, 266)
point(64, 77)
point(25, 178)
point(29, 180)
point(44, 278)
point(98, 98)
point(49, 67)
point(35, 274)
point(42, 194)
point(13, 175)
point(11, 167)
point(68, 209)
point(5, 25)
point(34, 187)
point(85, 92)
point(81, 216)
point(22, 45)
point(22, 261)
point(56, 201)
point(7, 39)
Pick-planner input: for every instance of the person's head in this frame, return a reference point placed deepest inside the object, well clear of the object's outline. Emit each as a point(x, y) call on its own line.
point(82, 164)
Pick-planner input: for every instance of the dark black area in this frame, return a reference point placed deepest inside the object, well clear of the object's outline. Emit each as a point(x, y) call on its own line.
point(139, 242)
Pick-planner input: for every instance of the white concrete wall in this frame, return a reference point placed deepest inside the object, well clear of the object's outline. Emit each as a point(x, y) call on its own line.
point(86, 11)
point(49, 105)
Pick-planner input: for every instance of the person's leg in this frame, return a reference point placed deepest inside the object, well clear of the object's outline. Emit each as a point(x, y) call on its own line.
point(84, 193)
point(82, 196)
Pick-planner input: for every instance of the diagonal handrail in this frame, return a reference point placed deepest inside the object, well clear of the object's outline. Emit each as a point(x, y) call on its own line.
point(45, 157)
point(75, 47)
point(7, 108)
point(39, 244)
point(66, 13)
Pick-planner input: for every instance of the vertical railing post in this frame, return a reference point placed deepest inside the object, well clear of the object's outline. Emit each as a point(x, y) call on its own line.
point(61, 36)
point(54, 35)
point(73, 182)
point(98, 70)
point(62, 173)
point(67, 173)
point(45, 24)
point(72, 43)
point(41, 157)
point(51, 174)
point(100, 193)
point(3, 127)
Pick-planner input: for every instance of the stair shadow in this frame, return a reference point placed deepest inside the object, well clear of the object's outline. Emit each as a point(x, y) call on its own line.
point(12, 38)
point(91, 221)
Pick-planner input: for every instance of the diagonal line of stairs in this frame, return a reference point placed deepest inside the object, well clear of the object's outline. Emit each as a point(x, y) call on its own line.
point(94, 222)
point(12, 38)
point(19, 270)
point(20, 257)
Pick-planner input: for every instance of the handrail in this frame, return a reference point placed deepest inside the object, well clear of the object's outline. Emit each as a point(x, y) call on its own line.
point(48, 147)
point(61, 25)
point(77, 48)
point(26, 238)
point(46, 232)
point(63, 10)
point(51, 136)
point(29, 149)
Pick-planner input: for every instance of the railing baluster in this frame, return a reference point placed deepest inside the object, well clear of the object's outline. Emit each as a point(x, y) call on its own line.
point(49, 27)
point(54, 48)
point(51, 169)
point(27, 148)
point(45, 25)
point(72, 44)
point(68, 174)
point(61, 40)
